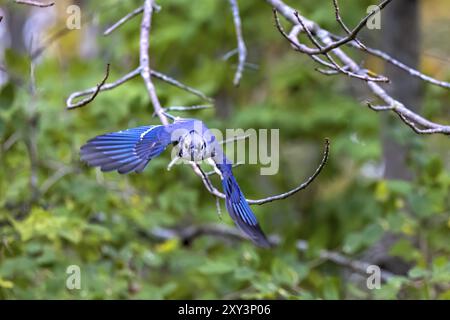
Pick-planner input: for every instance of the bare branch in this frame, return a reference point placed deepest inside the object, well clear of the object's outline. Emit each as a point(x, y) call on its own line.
point(229, 54)
point(49, 41)
point(344, 70)
point(54, 178)
point(104, 87)
point(293, 38)
point(219, 210)
point(242, 50)
point(129, 76)
point(295, 31)
point(337, 12)
point(285, 195)
point(211, 189)
point(236, 138)
point(188, 108)
point(414, 127)
point(352, 34)
point(213, 172)
point(128, 17)
point(10, 141)
point(413, 72)
point(312, 27)
point(333, 65)
point(206, 182)
point(123, 20)
point(328, 72)
point(326, 38)
point(35, 3)
point(190, 233)
point(304, 185)
point(400, 109)
point(342, 260)
point(144, 59)
point(180, 85)
point(389, 59)
point(85, 101)
point(379, 108)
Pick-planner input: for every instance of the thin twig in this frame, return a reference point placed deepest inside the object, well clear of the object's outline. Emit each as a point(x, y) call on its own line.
point(178, 84)
point(337, 12)
point(242, 50)
point(35, 3)
point(229, 54)
point(188, 108)
point(414, 127)
point(304, 185)
point(379, 108)
point(123, 20)
point(389, 59)
point(344, 69)
point(219, 210)
point(236, 138)
point(53, 179)
point(293, 38)
point(352, 34)
point(85, 101)
point(206, 182)
point(413, 72)
point(50, 40)
point(285, 195)
point(10, 141)
point(104, 87)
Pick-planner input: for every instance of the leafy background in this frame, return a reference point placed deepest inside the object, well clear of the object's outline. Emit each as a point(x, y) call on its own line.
point(99, 221)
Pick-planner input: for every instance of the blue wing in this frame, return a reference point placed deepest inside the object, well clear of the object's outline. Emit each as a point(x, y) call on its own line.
point(238, 208)
point(126, 151)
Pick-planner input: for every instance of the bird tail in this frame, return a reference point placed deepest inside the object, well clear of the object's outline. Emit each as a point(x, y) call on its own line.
point(239, 210)
point(124, 151)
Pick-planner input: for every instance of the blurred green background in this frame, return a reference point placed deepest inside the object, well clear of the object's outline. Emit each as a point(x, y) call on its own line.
point(56, 212)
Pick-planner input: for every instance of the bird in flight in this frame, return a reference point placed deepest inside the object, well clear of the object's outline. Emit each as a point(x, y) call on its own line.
point(131, 150)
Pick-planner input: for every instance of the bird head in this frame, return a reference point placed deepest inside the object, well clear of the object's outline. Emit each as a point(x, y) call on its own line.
point(193, 146)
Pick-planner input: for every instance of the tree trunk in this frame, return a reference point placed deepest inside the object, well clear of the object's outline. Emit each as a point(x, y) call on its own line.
point(400, 38)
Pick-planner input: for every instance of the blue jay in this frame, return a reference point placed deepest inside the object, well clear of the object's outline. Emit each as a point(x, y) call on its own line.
point(131, 150)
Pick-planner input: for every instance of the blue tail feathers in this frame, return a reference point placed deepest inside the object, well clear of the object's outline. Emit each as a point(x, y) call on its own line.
point(239, 210)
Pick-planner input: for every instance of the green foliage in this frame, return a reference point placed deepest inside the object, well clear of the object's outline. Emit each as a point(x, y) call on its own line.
point(101, 221)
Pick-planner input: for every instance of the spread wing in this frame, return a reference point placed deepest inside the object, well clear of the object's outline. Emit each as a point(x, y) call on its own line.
point(128, 150)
